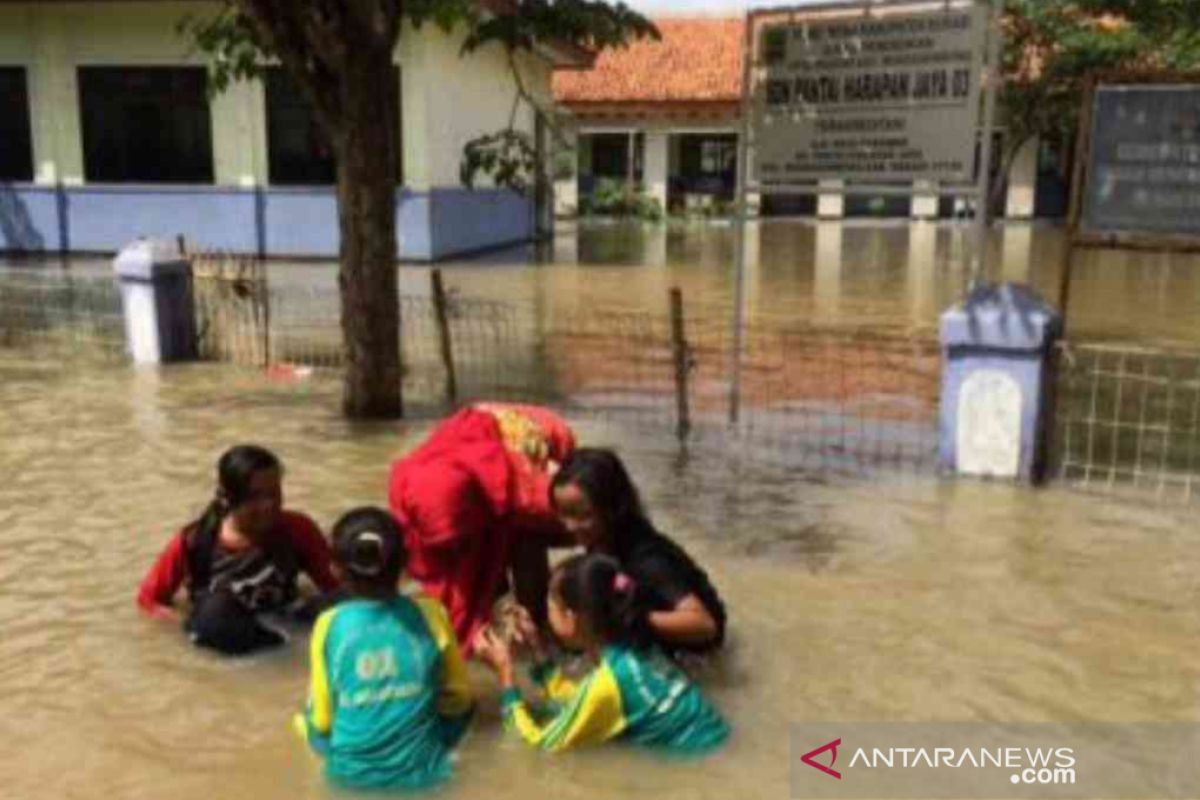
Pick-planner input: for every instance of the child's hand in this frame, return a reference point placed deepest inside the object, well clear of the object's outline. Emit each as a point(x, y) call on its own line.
point(494, 651)
point(526, 633)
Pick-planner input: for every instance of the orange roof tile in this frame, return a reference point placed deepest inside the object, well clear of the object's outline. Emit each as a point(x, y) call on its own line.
point(698, 60)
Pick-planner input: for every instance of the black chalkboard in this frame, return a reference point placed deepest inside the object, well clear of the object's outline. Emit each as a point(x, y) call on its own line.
point(1143, 167)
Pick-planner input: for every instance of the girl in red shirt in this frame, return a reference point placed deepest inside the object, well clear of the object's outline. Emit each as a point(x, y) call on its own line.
point(241, 558)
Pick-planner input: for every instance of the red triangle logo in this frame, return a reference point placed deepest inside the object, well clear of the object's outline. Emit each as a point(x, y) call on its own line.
point(808, 757)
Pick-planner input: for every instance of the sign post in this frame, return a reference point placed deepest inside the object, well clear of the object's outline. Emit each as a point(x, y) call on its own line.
point(872, 93)
point(1136, 177)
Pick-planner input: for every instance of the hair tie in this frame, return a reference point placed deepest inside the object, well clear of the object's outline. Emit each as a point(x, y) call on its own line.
point(364, 541)
point(622, 583)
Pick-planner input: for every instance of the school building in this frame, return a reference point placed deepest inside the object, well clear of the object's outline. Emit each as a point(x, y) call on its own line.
point(107, 133)
point(666, 116)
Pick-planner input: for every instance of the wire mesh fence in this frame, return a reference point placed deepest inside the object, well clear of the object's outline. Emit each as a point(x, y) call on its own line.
point(814, 397)
point(1128, 420)
point(233, 323)
point(61, 318)
point(305, 335)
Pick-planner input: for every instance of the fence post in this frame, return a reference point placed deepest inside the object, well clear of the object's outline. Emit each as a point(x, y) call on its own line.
point(679, 347)
point(439, 306)
point(265, 288)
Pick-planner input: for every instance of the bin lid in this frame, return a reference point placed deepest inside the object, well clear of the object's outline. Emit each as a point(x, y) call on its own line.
point(1006, 317)
point(150, 259)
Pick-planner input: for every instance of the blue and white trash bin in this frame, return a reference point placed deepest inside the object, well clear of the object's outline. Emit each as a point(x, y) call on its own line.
point(997, 383)
point(156, 295)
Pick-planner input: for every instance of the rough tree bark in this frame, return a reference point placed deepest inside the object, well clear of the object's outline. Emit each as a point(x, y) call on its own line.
point(339, 52)
point(367, 160)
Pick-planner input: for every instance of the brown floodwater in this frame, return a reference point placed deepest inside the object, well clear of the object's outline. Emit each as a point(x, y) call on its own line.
point(894, 599)
point(861, 273)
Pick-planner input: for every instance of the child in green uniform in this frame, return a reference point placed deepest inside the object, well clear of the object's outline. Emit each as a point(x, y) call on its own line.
point(634, 692)
point(388, 694)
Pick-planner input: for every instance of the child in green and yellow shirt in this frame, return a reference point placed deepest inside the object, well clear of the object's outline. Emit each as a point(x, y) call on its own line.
point(635, 692)
point(388, 695)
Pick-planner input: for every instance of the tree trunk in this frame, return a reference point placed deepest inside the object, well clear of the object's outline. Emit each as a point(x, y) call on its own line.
point(368, 161)
point(1000, 186)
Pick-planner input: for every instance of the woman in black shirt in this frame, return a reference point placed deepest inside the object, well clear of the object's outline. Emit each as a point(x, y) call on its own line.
point(599, 506)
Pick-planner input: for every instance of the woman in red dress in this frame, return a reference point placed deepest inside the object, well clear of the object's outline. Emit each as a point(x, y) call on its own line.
point(474, 503)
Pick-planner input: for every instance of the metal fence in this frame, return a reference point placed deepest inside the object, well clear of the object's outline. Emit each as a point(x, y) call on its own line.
point(812, 397)
point(1128, 420)
point(61, 318)
point(1127, 417)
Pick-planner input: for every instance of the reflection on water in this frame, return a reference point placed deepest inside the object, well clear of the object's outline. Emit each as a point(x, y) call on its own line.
point(895, 600)
point(872, 273)
point(905, 600)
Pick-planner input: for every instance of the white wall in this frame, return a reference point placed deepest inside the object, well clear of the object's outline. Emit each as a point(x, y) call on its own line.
point(451, 99)
point(446, 100)
point(52, 40)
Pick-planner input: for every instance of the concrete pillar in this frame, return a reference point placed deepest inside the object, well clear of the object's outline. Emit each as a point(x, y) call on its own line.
point(1018, 253)
point(657, 173)
point(566, 247)
point(566, 187)
point(925, 200)
point(921, 277)
point(630, 153)
point(831, 205)
point(753, 204)
point(416, 112)
point(54, 101)
point(1022, 182)
point(827, 273)
point(566, 196)
point(655, 239)
point(239, 135)
point(754, 272)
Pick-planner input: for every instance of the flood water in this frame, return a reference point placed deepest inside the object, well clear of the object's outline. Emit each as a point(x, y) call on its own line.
point(901, 599)
point(873, 274)
point(861, 273)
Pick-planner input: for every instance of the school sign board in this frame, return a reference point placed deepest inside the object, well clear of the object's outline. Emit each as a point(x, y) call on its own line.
point(870, 98)
point(1143, 162)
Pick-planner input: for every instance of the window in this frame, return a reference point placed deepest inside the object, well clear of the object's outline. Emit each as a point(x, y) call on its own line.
point(16, 155)
point(298, 152)
point(146, 124)
point(718, 156)
point(610, 155)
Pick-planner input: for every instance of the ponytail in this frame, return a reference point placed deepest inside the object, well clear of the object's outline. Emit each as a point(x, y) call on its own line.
point(610, 603)
point(235, 471)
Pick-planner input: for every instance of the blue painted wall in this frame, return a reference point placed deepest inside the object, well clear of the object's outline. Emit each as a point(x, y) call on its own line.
point(281, 221)
point(464, 220)
point(29, 218)
point(301, 222)
point(103, 218)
